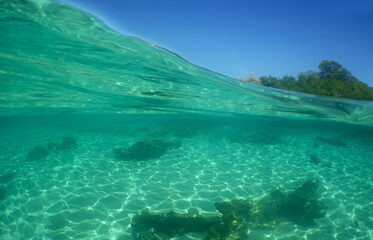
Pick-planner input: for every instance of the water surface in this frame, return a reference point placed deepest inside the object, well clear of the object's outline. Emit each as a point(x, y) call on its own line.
point(65, 74)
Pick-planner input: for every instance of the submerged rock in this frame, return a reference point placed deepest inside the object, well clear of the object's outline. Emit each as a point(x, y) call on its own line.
point(239, 215)
point(314, 159)
point(37, 153)
point(152, 236)
point(171, 224)
point(301, 206)
point(233, 223)
point(145, 150)
point(68, 143)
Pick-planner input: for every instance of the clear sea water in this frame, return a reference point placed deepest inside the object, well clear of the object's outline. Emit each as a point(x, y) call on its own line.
point(63, 73)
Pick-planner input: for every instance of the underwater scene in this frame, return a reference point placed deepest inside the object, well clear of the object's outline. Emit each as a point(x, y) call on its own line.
point(107, 136)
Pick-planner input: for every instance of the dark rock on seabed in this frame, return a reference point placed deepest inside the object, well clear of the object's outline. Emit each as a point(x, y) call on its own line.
point(68, 143)
point(171, 224)
point(145, 150)
point(37, 153)
point(152, 236)
point(300, 206)
point(314, 159)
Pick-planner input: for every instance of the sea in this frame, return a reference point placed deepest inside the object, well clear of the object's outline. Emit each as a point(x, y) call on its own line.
point(96, 126)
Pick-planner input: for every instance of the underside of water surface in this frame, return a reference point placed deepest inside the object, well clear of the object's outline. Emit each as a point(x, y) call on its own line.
point(97, 126)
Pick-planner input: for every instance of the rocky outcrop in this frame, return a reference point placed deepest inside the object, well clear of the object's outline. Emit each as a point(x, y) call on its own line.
point(145, 150)
point(300, 206)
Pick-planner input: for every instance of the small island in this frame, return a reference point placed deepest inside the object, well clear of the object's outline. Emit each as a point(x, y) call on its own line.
point(333, 80)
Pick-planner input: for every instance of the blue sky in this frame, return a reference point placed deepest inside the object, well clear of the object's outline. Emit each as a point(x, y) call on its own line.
point(237, 36)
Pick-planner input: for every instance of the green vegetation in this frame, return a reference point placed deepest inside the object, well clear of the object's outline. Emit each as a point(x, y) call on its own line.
point(333, 80)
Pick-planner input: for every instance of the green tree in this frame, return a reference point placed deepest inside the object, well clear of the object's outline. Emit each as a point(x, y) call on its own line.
point(334, 70)
point(270, 82)
point(289, 82)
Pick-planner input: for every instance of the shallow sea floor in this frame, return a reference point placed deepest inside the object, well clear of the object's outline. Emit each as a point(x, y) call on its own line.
point(87, 193)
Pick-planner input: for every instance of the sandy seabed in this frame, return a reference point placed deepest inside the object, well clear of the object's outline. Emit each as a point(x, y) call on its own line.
point(87, 193)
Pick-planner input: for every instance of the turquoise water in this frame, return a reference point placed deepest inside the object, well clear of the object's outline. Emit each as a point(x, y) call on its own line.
point(206, 138)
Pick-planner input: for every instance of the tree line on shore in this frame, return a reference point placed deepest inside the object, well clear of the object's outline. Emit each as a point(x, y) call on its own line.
point(333, 80)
